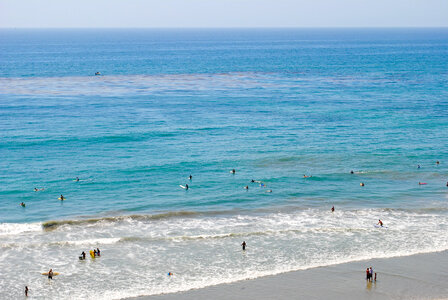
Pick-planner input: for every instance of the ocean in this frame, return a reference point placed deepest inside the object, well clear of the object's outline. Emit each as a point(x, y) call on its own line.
point(273, 104)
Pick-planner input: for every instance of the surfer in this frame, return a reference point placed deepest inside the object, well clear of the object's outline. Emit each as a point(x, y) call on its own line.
point(26, 291)
point(83, 255)
point(190, 177)
point(98, 252)
point(246, 187)
point(50, 274)
point(61, 198)
point(351, 172)
point(380, 223)
point(22, 204)
point(77, 179)
point(244, 245)
point(186, 186)
point(233, 171)
point(95, 253)
point(361, 184)
point(36, 189)
point(332, 209)
point(418, 166)
point(97, 73)
point(437, 162)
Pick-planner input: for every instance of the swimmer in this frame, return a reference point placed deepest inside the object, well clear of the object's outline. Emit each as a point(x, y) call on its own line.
point(50, 274)
point(170, 274)
point(332, 209)
point(233, 171)
point(361, 184)
point(22, 204)
point(246, 187)
point(351, 172)
point(190, 177)
point(447, 183)
point(269, 191)
point(186, 186)
point(437, 162)
point(77, 179)
point(62, 198)
point(36, 189)
point(243, 245)
point(252, 181)
point(380, 223)
point(418, 166)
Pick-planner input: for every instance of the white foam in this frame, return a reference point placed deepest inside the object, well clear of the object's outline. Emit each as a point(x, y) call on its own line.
point(16, 228)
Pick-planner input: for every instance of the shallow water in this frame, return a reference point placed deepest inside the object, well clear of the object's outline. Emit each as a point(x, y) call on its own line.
point(273, 104)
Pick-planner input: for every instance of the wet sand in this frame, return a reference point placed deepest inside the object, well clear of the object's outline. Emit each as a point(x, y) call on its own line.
point(421, 276)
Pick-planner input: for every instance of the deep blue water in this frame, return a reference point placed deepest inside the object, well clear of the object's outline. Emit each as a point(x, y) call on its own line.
point(273, 104)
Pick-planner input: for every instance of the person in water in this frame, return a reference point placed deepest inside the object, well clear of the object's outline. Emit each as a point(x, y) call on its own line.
point(22, 204)
point(36, 189)
point(233, 171)
point(83, 255)
point(380, 223)
point(170, 274)
point(26, 291)
point(95, 253)
point(246, 187)
point(77, 179)
point(252, 181)
point(418, 166)
point(367, 274)
point(351, 172)
point(186, 186)
point(98, 252)
point(62, 197)
point(50, 274)
point(437, 162)
point(190, 177)
point(244, 245)
point(332, 209)
point(361, 184)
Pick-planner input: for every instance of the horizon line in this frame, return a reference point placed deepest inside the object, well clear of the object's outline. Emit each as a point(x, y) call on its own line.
point(236, 27)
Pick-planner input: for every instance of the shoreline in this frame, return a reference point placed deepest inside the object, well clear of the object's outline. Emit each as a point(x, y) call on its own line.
point(418, 276)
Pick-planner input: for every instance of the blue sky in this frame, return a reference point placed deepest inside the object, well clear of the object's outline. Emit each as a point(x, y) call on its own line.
point(223, 13)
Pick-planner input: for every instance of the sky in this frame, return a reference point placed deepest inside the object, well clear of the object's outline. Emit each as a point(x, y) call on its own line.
point(221, 13)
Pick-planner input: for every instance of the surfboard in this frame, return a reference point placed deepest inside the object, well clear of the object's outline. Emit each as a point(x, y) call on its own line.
point(184, 187)
point(379, 226)
point(422, 183)
point(54, 273)
point(62, 199)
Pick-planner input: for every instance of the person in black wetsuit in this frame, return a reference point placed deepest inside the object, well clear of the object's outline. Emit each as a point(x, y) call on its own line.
point(244, 245)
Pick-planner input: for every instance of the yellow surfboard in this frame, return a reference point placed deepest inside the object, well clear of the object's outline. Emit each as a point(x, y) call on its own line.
point(54, 273)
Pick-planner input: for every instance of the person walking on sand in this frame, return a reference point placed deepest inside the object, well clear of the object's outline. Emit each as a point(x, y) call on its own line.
point(244, 245)
point(26, 291)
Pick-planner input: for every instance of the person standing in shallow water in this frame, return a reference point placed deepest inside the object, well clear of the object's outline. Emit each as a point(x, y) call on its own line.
point(332, 209)
point(243, 245)
point(26, 291)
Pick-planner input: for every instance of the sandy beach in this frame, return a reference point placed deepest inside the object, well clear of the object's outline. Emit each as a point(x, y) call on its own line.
point(421, 276)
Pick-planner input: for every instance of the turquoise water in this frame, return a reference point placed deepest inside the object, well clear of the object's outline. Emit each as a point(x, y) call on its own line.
point(271, 104)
